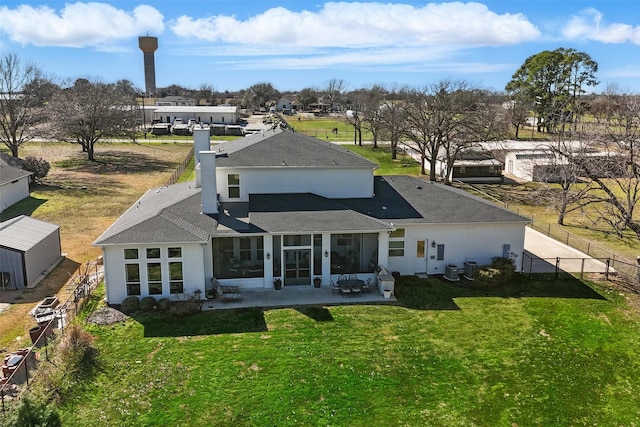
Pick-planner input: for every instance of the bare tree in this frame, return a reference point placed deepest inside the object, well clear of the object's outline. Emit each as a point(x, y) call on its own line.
point(353, 115)
point(612, 166)
point(22, 97)
point(372, 99)
point(90, 111)
point(392, 117)
point(333, 88)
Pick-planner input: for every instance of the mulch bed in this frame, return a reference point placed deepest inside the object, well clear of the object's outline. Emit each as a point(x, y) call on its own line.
point(106, 316)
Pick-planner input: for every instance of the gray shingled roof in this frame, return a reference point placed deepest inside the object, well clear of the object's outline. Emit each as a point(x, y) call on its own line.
point(406, 199)
point(163, 215)
point(273, 147)
point(297, 213)
point(9, 172)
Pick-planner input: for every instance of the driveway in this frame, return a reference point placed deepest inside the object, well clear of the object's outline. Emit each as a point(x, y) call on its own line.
point(541, 253)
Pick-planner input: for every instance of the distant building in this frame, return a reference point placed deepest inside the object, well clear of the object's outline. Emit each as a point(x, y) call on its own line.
point(175, 101)
point(221, 114)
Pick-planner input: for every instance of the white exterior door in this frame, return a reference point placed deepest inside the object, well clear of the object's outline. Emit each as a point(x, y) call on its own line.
point(421, 256)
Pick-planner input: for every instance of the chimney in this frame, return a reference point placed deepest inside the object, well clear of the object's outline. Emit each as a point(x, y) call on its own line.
point(209, 189)
point(201, 142)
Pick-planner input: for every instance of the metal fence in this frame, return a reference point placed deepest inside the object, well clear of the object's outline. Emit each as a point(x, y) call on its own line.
point(19, 367)
point(620, 266)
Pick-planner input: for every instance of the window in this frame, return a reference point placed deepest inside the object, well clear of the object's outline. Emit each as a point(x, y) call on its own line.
point(153, 253)
point(176, 283)
point(154, 274)
point(396, 248)
point(130, 254)
point(235, 257)
point(233, 183)
point(398, 232)
point(420, 249)
point(440, 256)
point(132, 273)
point(175, 252)
point(354, 253)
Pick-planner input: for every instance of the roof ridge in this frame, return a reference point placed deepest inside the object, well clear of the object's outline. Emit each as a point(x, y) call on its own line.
point(181, 222)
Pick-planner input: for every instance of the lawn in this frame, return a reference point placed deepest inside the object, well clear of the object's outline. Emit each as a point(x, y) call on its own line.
point(322, 127)
point(541, 352)
point(84, 198)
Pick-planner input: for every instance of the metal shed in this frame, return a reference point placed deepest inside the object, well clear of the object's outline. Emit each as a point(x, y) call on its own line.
point(29, 248)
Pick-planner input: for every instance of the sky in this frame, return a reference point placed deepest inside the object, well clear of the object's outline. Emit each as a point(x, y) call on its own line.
point(296, 44)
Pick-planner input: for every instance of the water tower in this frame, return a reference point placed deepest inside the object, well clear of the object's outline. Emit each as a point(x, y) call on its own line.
point(149, 45)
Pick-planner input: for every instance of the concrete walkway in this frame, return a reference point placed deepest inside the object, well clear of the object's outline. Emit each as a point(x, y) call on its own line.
point(541, 253)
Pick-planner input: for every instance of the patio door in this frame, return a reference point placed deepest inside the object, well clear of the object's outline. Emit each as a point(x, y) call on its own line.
point(297, 267)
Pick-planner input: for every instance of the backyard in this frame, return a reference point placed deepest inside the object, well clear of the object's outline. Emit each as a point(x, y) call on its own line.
point(538, 352)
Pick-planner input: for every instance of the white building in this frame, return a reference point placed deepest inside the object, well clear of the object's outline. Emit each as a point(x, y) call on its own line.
point(14, 184)
point(220, 114)
point(279, 204)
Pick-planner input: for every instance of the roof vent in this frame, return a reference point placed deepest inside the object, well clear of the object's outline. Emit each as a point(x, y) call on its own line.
point(418, 187)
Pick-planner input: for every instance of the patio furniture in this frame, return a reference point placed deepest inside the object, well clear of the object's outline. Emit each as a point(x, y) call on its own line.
point(353, 277)
point(335, 289)
point(226, 292)
point(350, 286)
point(367, 285)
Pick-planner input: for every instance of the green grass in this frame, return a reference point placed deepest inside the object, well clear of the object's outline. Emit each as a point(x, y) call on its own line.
point(541, 352)
point(322, 128)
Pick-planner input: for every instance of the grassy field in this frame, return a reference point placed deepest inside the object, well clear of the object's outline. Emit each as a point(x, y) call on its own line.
point(84, 198)
point(540, 352)
point(322, 127)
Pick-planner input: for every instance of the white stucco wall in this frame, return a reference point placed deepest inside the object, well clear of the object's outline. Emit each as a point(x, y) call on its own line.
point(463, 242)
point(13, 192)
point(327, 182)
point(194, 268)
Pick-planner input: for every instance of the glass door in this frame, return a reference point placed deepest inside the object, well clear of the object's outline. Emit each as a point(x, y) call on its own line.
point(297, 267)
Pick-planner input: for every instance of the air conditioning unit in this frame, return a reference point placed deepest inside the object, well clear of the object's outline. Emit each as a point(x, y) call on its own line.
point(451, 273)
point(470, 268)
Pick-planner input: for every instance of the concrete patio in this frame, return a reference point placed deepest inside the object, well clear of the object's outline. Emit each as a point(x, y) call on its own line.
point(291, 296)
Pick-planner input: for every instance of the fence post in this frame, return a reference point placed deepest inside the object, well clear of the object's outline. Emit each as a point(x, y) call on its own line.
point(548, 229)
point(557, 267)
point(606, 271)
point(582, 268)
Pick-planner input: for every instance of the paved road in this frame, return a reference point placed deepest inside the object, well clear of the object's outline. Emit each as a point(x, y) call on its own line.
point(541, 252)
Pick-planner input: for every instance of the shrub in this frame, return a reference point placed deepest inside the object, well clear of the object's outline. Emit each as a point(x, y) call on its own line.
point(33, 412)
point(130, 304)
point(164, 304)
point(148, 303)
point(40, 167)
point(498, 273)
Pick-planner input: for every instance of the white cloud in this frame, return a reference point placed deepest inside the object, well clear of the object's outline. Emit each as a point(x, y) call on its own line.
point(589, 25)
point(364, 25)
point(77, 24)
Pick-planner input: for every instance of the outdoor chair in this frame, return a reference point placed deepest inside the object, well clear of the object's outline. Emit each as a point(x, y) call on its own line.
point(335, 289)
point(226, 292)
point(224, 288)
point(353, 277)
point(367, 285)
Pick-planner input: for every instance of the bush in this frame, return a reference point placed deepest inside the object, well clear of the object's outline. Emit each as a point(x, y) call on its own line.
point(33, 412)
point(130, 304)
point(498, 273)
point(40, 167)
point(164, 304)
point(148, 303)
